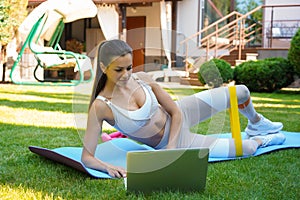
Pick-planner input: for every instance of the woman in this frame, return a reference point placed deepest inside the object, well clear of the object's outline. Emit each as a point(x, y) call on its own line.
point(138, 107)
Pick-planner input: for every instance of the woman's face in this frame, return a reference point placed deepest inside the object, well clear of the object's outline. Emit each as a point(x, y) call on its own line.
point(119, 71)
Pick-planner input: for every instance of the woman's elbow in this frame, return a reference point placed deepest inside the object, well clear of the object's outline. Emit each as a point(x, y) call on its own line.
point(85, 157)
point(176, 112)
point(84, 160)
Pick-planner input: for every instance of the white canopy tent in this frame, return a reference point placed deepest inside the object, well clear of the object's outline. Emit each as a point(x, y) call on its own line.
point(69, 10)
point(46, 23)
point(109, 21)
point(166, 30)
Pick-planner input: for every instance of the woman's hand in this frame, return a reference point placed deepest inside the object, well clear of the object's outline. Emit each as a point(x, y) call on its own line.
point(116, 172)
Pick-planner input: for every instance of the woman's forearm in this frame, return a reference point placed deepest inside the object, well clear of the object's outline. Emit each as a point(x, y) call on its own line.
point(92, 162)
point(175, 127)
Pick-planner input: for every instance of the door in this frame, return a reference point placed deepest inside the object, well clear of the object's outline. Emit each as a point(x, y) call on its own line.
point(136, 39)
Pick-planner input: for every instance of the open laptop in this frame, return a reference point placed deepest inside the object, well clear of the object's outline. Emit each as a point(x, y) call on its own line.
point(172, 169)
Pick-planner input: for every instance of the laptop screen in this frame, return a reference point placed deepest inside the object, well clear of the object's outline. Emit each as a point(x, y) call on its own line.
point(172, 169)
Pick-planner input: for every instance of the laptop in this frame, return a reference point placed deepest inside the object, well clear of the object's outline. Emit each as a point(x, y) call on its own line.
point(161, 170)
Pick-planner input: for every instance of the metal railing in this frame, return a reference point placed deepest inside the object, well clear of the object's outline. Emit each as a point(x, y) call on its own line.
point(218, 38)
point(279, 28)
point(229, 33)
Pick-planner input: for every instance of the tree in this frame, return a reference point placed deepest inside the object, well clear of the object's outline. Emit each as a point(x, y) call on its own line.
point(223, 6)
point(294, 52)
point(248, 5)
point(4, 22)
point(12, 14)
point(244, 7)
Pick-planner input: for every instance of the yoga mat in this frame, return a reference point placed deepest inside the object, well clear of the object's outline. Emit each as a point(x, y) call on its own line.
point(114, 152)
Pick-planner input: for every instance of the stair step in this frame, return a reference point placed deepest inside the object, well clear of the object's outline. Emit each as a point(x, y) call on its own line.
point(190, 81)
point(234, 55)
point(193, 75)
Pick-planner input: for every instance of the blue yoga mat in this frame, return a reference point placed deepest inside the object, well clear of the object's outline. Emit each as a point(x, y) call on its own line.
point(114, 152)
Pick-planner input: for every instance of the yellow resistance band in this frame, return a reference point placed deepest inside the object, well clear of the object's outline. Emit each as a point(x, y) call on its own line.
point(235, 121)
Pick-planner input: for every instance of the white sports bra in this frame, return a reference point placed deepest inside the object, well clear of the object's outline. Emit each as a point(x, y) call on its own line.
point(129, 122)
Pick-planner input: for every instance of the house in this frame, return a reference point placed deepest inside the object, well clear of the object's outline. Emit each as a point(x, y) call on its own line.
point(140, 23)
point(281, 20)
point(155, 29)
point(145, 24)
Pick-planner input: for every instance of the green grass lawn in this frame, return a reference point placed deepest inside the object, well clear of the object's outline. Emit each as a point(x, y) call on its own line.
point(53, 117)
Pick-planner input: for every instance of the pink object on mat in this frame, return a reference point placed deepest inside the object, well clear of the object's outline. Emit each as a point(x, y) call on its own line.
point(106, 137)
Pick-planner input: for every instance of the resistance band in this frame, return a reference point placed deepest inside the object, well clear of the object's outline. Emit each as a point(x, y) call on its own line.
point(235, 121)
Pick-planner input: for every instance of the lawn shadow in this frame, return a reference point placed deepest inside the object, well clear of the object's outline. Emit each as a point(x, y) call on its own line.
point(47, 106)
point(26, 173)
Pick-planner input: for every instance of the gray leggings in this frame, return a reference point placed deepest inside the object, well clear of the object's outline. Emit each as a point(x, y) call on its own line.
point(201, 106)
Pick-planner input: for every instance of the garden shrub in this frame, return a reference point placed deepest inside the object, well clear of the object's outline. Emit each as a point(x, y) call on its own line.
point(287, 67)
point(265, 75)
point(294, 52)
point(215, 72)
